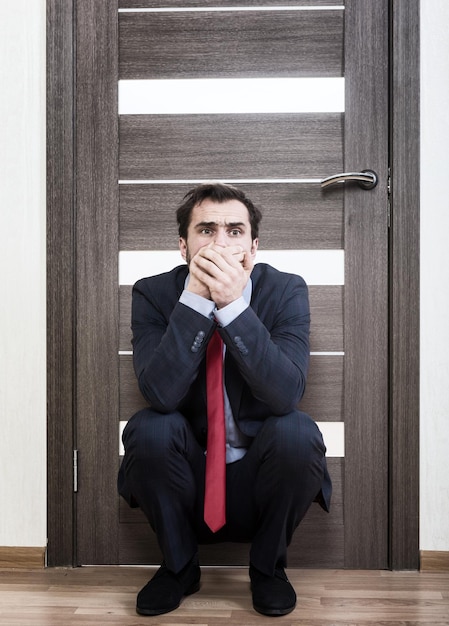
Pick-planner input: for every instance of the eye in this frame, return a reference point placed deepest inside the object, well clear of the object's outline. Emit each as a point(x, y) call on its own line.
point(206, 231)
point(235, 232)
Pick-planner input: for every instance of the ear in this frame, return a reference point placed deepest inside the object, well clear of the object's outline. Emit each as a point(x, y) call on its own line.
point(254, 247)
point(183, 248)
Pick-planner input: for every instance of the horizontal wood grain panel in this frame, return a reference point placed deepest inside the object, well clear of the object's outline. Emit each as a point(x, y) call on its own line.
point(323, 397)
point(286, 145)
point(317, 546)
point(322, 400)
point(326, 314)
point(326, 306)
point(294, 215)
point(125, 299)
point(315, 514)
point(317, 542)
point(230, 44)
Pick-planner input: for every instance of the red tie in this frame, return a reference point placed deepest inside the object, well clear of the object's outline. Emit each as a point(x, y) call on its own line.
point(215, 491)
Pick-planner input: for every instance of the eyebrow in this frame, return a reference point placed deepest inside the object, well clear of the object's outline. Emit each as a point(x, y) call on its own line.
point(228, 224)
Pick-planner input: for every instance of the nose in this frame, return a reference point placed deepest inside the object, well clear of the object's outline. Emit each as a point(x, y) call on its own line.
point(220, 237)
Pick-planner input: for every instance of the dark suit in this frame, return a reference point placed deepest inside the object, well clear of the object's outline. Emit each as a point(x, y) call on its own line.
point(267, 355)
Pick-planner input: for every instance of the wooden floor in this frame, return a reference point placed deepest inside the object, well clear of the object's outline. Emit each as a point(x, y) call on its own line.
point(106, 595)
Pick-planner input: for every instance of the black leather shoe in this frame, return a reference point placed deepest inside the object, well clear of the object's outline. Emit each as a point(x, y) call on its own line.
point(272, 595)
point(163, 593)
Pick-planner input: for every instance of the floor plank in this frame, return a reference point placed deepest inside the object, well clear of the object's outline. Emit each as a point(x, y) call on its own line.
point(91, 596)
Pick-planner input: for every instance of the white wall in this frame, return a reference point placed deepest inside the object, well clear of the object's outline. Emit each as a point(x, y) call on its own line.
point(434, 275)
point(22, 275)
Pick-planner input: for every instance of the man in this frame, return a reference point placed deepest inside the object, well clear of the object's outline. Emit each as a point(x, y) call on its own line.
point(275, 456)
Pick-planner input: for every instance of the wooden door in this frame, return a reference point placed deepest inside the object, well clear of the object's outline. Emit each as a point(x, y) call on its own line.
point(279, 160)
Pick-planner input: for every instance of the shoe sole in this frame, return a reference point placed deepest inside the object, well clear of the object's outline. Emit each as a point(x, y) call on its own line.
point(193, 589)
point(274, 612)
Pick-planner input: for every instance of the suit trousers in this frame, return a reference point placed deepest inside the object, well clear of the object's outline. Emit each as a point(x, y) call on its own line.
point(268, 491)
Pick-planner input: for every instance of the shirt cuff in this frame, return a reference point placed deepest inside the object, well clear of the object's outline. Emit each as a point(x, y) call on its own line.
point(197, 303)
point(230, 312)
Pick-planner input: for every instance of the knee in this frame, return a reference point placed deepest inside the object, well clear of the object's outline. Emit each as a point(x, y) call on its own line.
point(149, 434)
point(296, 437)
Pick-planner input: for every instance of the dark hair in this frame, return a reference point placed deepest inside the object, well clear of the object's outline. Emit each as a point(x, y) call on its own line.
point(217, 192)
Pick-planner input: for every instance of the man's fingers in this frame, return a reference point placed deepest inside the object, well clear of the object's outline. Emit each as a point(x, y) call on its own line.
point(210, 265)
point(221, 257)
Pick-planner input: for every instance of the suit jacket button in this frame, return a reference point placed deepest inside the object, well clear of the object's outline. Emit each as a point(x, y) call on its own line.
point(197, 341)
point(240, 345)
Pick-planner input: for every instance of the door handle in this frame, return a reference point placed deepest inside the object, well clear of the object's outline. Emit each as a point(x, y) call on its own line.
point(366, 179)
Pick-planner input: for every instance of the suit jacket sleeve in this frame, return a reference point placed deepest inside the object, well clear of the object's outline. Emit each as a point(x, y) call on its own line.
point(169, 343)
point(271, 345)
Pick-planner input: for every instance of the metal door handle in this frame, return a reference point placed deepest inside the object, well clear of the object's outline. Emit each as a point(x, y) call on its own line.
point(366, 179)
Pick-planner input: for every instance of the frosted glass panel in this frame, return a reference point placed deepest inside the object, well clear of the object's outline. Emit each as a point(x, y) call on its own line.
point(210, 9)
point(333, 435)
point(238, 95)
point(317, 267)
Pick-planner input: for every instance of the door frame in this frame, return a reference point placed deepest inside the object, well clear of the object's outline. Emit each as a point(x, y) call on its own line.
point(403, 282)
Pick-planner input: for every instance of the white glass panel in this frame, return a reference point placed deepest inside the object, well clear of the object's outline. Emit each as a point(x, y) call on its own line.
point(337, 7)
point(334, 438)
point(231, 181)
point(317, 267)
point(130, 353)
point(121, 449)
point(317, 353)
point(228, 95)
point(333, 435)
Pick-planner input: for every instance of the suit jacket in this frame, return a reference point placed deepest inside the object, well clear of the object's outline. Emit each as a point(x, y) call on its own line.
point(267, 350)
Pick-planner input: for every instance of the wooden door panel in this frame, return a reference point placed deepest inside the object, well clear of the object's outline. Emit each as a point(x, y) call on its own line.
point(235, 147)
point(326, 307)
point(82, 228)
point(366, 291)
point(323, 398)
point(282, 145)
point(319, 541)
point(295, 216)
point(96, 305)
point(157, 156)
point(314, 516)
point(230, 44)
point(278, 146)
point(321, 547)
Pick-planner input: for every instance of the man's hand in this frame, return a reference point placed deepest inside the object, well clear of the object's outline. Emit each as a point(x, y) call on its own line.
point(220, 273)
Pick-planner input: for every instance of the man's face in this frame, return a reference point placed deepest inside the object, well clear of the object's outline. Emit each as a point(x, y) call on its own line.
point(225, 224)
